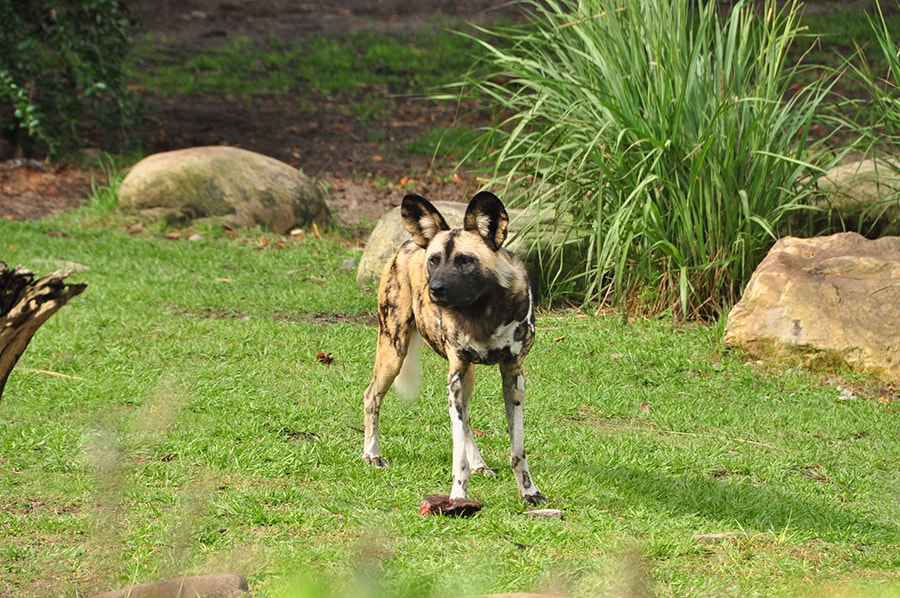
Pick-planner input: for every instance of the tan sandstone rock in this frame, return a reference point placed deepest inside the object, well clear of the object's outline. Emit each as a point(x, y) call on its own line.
point(240, 187)
point(824, 302)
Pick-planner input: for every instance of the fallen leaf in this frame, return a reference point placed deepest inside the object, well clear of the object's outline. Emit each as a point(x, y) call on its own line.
point(324, 358)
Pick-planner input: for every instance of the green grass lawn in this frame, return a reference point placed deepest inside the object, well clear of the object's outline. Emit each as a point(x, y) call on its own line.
point(174, 419)
point(191, 429)
point(413, 64)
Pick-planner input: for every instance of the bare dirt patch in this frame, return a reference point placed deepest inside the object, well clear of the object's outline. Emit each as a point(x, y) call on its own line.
point(32, 189)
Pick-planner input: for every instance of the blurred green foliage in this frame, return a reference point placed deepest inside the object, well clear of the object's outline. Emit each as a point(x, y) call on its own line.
point(61, 75)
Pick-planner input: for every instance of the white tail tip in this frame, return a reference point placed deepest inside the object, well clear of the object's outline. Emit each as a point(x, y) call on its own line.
point(407, 381)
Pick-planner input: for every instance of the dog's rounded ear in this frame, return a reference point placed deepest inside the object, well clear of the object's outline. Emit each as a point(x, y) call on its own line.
point(421, 219)
point(487, 217)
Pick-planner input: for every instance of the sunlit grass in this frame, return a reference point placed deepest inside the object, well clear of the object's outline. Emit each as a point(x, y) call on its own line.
point(411, 63)
point(174, 419)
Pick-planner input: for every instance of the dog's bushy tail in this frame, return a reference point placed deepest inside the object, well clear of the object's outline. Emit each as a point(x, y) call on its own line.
point(407, 381)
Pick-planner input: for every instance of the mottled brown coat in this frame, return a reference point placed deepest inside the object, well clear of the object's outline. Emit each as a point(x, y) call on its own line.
point(470, 300)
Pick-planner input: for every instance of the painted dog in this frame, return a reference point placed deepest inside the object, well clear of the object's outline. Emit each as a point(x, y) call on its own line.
point(470, 300)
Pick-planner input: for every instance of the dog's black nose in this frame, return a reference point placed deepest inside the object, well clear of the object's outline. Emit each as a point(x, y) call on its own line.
point(437, 289)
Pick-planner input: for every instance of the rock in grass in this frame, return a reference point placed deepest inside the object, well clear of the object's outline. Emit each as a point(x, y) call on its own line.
point(864, 194)
point(441, 504)
point(544, 513)
point(824, 303)
point(216, 585)
point(239, 187)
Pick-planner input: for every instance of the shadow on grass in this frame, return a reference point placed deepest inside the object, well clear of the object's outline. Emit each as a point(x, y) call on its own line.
point(752, 506)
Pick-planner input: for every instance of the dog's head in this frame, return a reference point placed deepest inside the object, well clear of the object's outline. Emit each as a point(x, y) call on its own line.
point(462, 264)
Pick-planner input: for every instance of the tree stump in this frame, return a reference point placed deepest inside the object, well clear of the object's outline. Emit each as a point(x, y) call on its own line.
point(24, 306)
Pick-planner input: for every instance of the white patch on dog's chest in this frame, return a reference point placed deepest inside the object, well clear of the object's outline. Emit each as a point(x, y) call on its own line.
point(503, 339)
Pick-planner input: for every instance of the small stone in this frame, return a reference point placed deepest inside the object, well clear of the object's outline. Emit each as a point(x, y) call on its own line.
point(544, 513)
point(846, 394)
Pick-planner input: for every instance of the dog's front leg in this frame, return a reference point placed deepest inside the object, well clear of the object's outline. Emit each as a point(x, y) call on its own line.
point(458, 391)
point(372, 407)
point(513, 396)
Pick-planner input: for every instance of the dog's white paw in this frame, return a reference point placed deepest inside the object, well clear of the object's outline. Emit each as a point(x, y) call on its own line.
point(376, 460)
point(485, 470)
point(534, 499)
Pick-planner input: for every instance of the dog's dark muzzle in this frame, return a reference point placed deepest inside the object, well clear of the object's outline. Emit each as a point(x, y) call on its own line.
point(439, 291)
point(449, 292)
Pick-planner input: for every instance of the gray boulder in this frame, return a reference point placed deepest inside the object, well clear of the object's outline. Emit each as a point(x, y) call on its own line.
point(239, 187)
point(825, 302)
point(389, 234)
point(863, 195)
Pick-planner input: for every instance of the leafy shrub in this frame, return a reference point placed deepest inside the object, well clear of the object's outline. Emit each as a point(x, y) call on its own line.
point(61, 77)
point(668, 139)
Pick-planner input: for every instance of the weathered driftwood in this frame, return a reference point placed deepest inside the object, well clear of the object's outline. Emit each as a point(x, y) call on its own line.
point(24, 306)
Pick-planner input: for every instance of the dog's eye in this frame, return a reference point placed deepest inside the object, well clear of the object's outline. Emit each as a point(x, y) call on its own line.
point(434, 259)
point(464, 259)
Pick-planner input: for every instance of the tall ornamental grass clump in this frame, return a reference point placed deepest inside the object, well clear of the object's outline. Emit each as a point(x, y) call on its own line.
point(667, 137)
point(882, 130)
point(883, 87)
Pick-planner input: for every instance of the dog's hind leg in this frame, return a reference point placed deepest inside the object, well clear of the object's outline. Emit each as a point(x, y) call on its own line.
point(513, 396)
point(390, 353)
point(407, 381)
